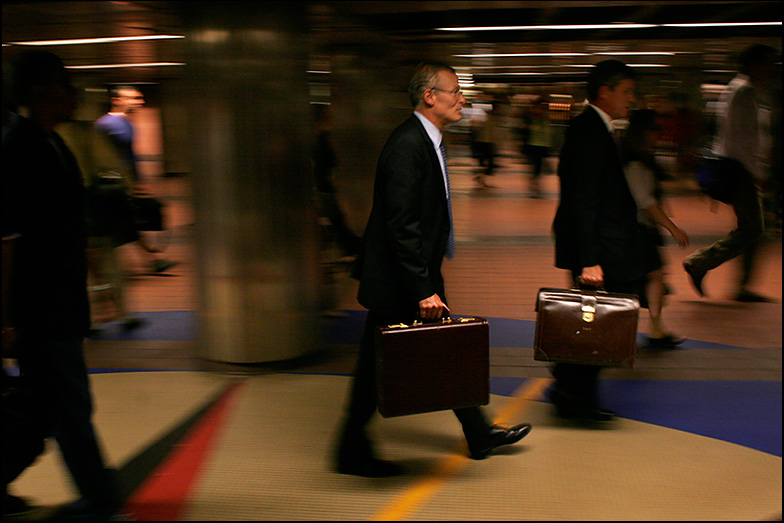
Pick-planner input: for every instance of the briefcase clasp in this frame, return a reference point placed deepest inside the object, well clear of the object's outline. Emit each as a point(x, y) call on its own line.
point(589, 313)
point(404, 326)
point(589, 308)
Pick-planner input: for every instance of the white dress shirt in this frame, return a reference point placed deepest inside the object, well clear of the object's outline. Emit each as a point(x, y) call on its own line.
point(436, 137)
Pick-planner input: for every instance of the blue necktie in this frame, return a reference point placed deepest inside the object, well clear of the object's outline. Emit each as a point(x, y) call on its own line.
point(450, 246)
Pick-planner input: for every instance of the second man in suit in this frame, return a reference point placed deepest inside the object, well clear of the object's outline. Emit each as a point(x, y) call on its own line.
point(407, 236)
point(596, 222)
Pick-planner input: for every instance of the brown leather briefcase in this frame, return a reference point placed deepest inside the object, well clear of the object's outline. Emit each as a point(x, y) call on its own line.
point(427, 367)
point(590, 327)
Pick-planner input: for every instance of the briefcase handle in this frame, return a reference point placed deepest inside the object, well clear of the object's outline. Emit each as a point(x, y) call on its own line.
point(580, 285)
point(420, 321)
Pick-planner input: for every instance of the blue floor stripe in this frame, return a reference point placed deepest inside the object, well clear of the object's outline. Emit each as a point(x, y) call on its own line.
point(746, 413)
point(182, 326)
point(162, 326)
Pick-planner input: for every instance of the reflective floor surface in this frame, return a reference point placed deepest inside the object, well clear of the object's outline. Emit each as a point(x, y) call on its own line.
point(698, 435)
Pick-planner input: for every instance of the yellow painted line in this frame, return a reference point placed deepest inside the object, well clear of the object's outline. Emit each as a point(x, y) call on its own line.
point(453, 463)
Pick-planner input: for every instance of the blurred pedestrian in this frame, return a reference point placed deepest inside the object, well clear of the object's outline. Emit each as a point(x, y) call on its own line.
point(407, 236)
point(126, 100)
point(110, 219)
point(644, 174)
point(324, 160)
point(595, 226)
point(743, 134)
point(486, 143)
point(43, 202)
point(537, 143)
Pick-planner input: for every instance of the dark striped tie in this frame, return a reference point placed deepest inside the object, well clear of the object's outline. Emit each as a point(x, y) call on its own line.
point(450, 246)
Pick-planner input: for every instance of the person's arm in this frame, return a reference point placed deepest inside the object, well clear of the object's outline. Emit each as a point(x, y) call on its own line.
point(743, 131)
point(405, 171)
point(642, 184)
point(660, 217)
point(581, 179)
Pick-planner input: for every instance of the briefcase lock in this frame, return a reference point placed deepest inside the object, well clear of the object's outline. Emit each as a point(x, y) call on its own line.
point(589, 313)
point(588, 308)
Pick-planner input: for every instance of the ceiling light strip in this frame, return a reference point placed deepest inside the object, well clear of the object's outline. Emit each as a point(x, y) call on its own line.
point(639, 53)
point(124, 66)
point(103, 40)
point(547, 27)
point(604, 26)
point(724, 24)
point(519, 55)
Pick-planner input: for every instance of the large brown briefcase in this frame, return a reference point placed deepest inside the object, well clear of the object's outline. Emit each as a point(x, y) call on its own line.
point(427, 367)
point(590, 327)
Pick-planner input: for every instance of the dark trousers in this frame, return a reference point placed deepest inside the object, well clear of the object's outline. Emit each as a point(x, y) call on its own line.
point(345, 237)
point(484, 152)
point(581, 382)
point(744, 240)
point(23, 434)
point(536, 154)
point(362, 401)
point(60, 403)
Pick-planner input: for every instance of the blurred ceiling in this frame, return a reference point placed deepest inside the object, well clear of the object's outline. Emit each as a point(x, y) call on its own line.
point(418, 26)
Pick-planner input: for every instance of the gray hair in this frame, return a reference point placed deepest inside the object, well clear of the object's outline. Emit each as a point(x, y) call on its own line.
point(424, 78)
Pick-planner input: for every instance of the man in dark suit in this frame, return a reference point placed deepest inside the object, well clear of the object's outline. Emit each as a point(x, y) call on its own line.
point(596, 222)
point(407, 236)
point(43, 202)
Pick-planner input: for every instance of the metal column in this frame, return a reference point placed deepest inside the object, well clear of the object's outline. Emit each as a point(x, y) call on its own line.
point(256, 242)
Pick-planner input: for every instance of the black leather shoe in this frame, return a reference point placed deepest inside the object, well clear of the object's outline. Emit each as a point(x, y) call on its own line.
point(81, 510)
point(588, 414)
point(497, 437)
point(15, 507)
point(751, 297)
point(566, 407)
point(695, 276)
point(665, 342)
point(369, 468)
point(355, 457)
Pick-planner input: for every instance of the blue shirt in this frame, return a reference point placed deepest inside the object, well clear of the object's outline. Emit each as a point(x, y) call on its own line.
point(120, 130)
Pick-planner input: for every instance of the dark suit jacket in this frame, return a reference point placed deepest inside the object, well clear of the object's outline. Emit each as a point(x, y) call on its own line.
point(596, 221)
point(407, 232)
point(43, 201)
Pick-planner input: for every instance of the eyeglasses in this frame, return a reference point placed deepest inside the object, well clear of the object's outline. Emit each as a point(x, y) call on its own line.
point(456, 92)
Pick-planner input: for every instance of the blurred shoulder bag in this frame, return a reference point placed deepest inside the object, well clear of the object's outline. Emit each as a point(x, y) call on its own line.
point(719, 177)
point(148, 213)
point(109, 212)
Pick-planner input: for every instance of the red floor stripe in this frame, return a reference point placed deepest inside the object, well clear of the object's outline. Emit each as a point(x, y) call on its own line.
point(162, 496)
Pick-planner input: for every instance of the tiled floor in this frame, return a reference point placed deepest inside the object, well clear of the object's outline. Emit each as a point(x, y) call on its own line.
point(699, 435)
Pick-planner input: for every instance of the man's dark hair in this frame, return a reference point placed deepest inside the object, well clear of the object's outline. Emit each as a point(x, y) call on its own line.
point(609, 73)
point(757, 54)
point(640, 122)
point(424, 78)
point(114, 91)
point(33, 67)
